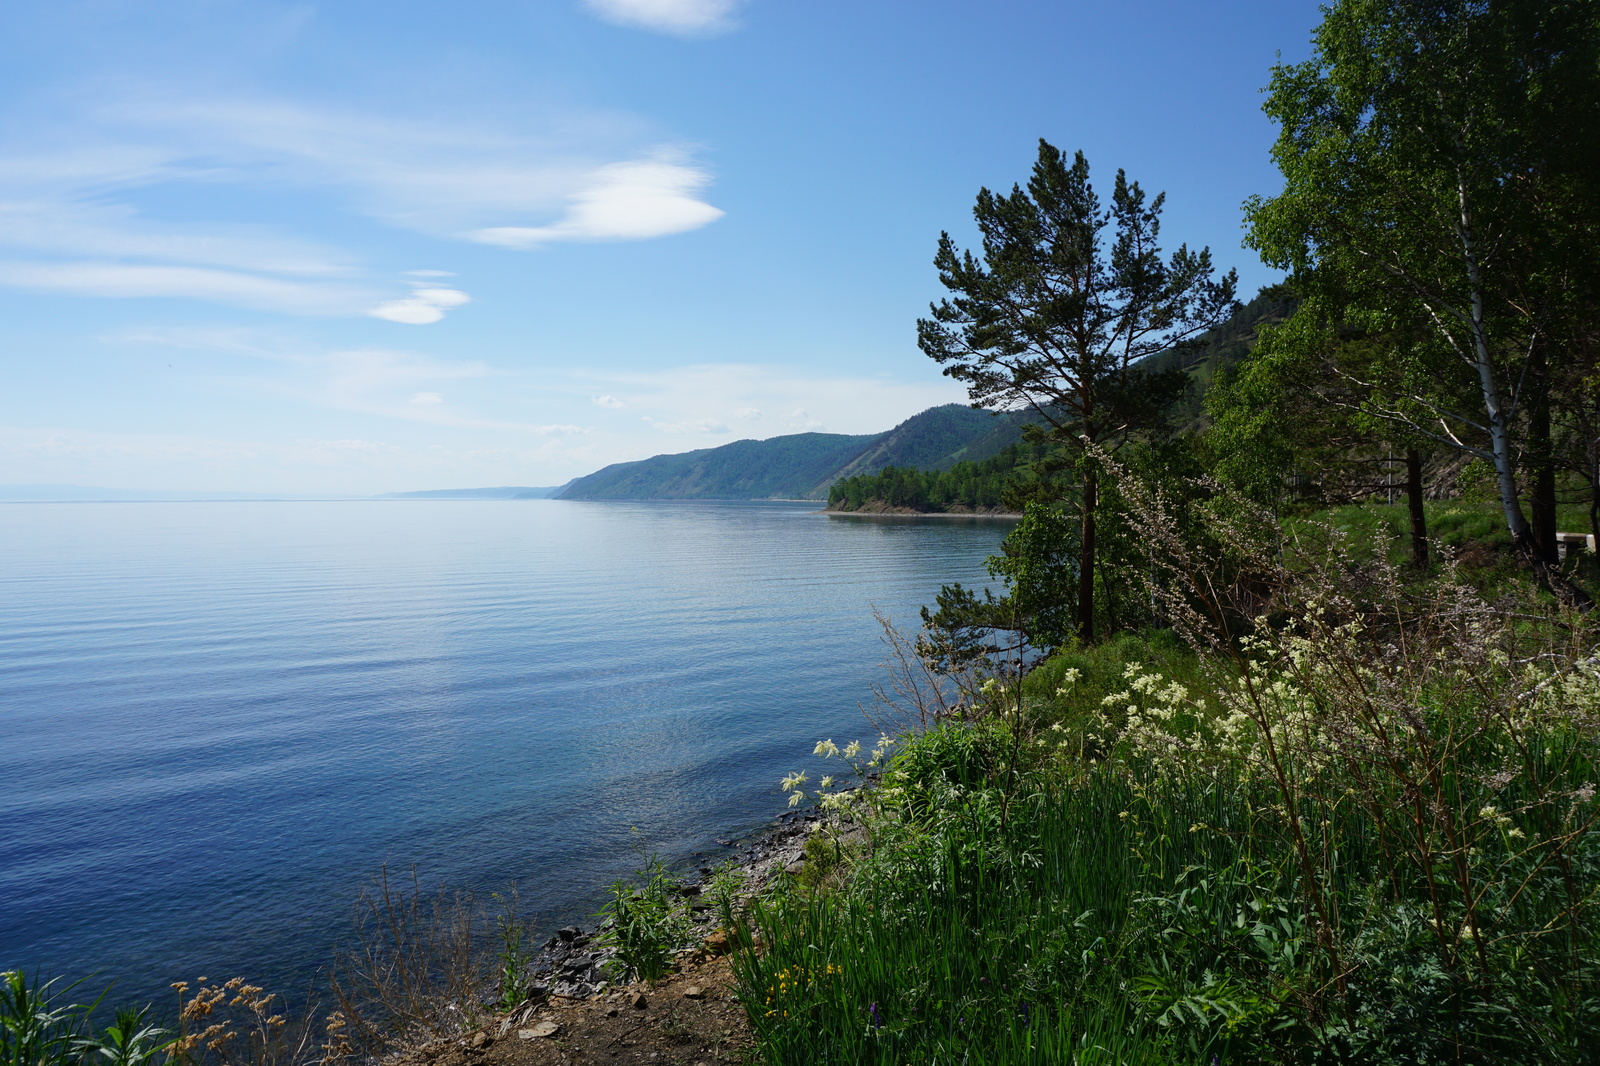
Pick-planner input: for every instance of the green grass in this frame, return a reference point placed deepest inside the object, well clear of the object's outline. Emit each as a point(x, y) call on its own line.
point(1129, 912)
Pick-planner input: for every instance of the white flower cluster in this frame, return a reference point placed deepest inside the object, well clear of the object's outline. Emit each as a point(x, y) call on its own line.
point(1153, 715)
point(850, 754)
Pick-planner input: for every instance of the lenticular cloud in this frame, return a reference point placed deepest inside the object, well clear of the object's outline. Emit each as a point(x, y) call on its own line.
point(683, 17)
point(422, 307)
point(623, 201)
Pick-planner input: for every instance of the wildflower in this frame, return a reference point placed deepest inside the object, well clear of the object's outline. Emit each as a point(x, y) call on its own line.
point(826, 749)
point(852, 749)
point(827, 782)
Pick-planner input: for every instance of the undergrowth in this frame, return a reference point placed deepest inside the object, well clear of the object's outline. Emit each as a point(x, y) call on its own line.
point(1337, 813)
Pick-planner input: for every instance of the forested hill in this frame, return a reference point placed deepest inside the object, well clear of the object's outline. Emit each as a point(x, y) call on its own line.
point(802, 466)
point(983, 478)
point(1220, 348)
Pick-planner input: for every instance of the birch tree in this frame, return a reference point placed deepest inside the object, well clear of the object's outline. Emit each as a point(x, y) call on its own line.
point(1433, 157)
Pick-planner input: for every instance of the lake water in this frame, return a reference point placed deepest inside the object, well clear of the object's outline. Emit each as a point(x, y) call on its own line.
point(219, 720)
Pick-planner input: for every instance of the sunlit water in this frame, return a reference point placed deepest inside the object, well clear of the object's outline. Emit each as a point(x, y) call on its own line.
point(219, 720)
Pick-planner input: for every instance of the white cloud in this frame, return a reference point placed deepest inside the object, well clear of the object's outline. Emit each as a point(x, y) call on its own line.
point(680, 17)
point(423, 306)
point(65, 225)
point(358, 425)
point(126, 280)
point(70, 183)
point(800, 421)
point(621, 202)
point(729, 399)
point(609, 401)
point(703, 425)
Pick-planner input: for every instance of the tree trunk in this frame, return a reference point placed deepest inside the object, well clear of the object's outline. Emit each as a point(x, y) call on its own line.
point(1542, 501)
point(1542, 510)
point(1086, 556)
point(1594, 502)
point(1489, 388)
point(1419, 517)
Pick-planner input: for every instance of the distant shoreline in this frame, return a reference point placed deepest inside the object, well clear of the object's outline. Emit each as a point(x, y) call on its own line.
point(906, 512)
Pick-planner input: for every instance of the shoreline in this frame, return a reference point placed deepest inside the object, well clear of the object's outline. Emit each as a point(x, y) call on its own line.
point(570, 965)
point(694, 1010)
point(906, 512)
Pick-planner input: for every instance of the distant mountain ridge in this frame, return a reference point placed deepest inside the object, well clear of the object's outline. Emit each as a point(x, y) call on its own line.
point(802, 466)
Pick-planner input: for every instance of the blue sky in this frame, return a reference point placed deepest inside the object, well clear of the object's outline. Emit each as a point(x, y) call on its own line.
point(367, 247)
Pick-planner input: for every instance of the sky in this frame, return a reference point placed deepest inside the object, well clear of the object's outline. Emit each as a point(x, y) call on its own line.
point(361, 247)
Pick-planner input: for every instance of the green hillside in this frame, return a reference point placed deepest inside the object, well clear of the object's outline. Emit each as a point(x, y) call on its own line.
point(1220, 348)
point(937, 439)
point(989, 469)
point(788, 467)
point(803, 466)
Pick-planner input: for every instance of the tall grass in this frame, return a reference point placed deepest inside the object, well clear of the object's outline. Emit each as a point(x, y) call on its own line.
point(1159, 916)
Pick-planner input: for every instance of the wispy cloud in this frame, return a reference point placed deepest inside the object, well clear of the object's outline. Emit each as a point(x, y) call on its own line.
point(701, 425)
point(731, 400)
point(305, 464)
point(621, 202)
point(124, 280)
point(683, 18)
point(71, 215)
point(67, 224)
point(396, 384)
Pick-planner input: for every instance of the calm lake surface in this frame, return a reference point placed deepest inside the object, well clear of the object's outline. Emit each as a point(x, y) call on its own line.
point(219, 720)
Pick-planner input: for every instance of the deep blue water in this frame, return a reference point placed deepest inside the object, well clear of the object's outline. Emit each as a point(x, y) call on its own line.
point(219, 720)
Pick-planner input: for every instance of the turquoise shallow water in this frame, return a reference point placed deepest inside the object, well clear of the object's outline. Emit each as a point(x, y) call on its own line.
point(219, 720)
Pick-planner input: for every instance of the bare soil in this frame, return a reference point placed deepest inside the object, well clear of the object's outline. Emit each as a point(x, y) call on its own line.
point(691, 1017)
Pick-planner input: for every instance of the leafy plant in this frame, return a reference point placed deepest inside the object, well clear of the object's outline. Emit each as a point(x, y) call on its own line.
point(130, 1040)
point(645, 921)
point(37, 1026)
point(515, 975)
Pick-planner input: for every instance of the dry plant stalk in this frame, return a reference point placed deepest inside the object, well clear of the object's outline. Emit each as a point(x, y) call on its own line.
point(415, 970)
point(234, 1023)
point(917, 693)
